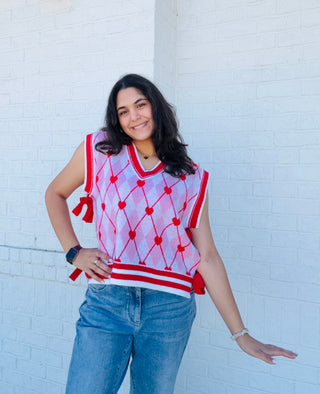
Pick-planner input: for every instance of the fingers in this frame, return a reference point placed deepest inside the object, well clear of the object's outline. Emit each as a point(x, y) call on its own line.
point(102, 255)
point(264, 352)
point(101, 268)
point(278, 351)
point(94, 276)
point(98, 270)
point(291, 354)
point(89, 260)
point(267, 352)
point(265, 357)
point(259, 352)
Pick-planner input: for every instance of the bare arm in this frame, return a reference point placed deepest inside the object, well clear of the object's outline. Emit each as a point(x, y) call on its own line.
point(212, 269)
point(65, 183)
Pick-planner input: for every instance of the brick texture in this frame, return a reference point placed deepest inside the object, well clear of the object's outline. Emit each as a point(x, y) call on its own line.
point(247, 92)
point(245, 79)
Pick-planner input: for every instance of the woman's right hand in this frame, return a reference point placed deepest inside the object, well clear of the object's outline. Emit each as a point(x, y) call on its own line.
point(90, 261)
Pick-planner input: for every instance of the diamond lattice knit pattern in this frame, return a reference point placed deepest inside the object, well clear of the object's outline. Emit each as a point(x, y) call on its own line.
point(142, 218)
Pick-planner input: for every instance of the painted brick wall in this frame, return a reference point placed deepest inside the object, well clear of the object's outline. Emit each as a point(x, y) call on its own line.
point(165, 48)
point(248, 78)
point(245, 78)
point(58, 61)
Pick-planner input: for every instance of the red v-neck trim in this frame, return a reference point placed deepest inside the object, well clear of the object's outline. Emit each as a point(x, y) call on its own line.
point(133, 156)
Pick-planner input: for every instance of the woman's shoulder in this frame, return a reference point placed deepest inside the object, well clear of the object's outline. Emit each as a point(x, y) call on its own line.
point(199, 170)
point(197, 180)
point(98, 136)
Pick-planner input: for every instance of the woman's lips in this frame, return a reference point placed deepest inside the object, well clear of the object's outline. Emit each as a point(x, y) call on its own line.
point(139, 126)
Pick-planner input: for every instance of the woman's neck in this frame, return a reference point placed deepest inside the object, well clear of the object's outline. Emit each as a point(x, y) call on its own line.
point(145, 149)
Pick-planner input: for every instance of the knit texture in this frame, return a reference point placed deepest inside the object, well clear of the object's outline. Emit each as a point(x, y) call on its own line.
point(142, 218)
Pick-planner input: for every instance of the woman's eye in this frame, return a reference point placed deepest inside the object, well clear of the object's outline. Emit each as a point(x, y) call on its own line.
point(122, 113)
point(140, 105)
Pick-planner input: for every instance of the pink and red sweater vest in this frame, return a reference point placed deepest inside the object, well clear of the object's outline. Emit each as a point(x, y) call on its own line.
point(142, 219)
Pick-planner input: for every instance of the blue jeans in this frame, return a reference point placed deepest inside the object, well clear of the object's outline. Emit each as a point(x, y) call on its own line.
point(116, 323)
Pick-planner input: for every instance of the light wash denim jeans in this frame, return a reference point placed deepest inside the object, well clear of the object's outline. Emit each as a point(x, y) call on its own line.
point(116, 323)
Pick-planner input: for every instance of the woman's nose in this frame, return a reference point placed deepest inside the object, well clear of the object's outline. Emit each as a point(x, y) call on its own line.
point(134, 113)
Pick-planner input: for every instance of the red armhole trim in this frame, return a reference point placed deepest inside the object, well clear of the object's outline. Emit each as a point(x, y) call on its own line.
point(89, 164)
point(200, 200)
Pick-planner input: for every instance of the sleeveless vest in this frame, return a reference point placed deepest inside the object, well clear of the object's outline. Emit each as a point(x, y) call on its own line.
point(142, 219)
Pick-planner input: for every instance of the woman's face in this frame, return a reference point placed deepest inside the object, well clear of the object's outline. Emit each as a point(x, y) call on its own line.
point(135, 114)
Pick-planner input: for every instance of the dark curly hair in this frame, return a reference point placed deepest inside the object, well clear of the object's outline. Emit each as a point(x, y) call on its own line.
point(166, 138)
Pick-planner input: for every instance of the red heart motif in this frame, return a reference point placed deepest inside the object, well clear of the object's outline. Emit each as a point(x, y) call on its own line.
point(132, 234)
point(181, 248)
point(158, 240)
point(141, 183)
point(142, 263)
point(183, 177)
point(176, 221)
point(113, 179)
point(97, 178)
point(168, 190)
point(184, 206)
point(103, 206)
point(121, 204)
point(149, 210)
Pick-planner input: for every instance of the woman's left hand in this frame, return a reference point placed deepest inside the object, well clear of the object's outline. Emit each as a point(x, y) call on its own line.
point(260, 350)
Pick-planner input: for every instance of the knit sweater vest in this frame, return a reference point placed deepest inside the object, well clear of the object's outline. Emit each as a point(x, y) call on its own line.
point(142, 218)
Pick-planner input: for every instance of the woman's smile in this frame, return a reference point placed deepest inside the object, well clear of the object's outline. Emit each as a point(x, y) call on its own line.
point(139, 126)
point(135, 115)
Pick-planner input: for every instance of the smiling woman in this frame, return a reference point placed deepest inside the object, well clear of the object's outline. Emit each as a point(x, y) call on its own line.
point(167, 143)
point(136, 120)
point(150, 205)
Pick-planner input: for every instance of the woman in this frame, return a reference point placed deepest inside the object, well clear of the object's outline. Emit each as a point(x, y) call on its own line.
point(149, 201)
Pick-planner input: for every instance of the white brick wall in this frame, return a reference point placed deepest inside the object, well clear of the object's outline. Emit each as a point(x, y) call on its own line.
point(165, 48)
point(247, 95)
point(244, 76)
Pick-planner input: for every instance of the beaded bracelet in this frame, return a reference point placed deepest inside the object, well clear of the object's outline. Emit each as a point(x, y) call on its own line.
point(239, 334)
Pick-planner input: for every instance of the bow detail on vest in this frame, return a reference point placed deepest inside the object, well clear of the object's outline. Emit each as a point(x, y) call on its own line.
point(75, 274)
point(88, 217)
point(198, 284)
point(78, 271)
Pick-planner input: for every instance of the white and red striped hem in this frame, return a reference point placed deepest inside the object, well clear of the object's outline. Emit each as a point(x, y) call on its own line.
point(149, 278)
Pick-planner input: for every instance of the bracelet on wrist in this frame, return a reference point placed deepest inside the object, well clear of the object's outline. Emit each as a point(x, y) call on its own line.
point(239, 334)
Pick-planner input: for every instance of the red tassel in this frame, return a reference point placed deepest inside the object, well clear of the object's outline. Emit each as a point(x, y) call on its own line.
point(75, 274)
point(198, 284)
point(88, 217)
point(78, 271)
